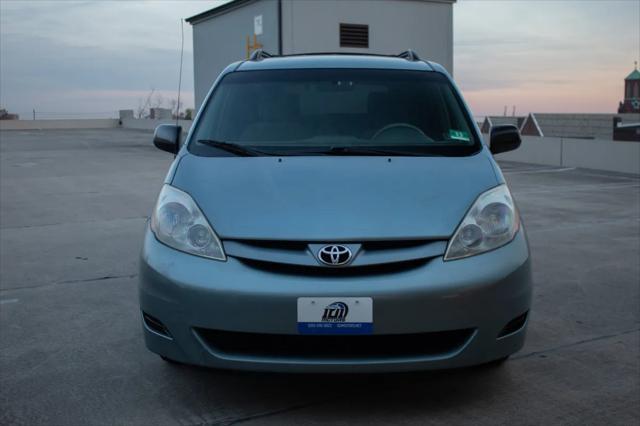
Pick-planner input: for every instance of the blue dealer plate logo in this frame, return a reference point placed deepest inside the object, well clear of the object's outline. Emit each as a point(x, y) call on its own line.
point(335, 312)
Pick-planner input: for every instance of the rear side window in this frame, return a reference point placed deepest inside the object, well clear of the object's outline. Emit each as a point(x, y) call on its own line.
point(415, 111)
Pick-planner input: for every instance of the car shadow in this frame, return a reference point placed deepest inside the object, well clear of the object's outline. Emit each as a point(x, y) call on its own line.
point(351, 394)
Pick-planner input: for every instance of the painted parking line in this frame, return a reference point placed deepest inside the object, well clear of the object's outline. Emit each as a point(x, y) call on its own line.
point(594, 225)
point(575, 188)
point(534, 171)
point(4, 301)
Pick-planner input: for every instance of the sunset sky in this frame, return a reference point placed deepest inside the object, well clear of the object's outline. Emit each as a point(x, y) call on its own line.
point(91, 58)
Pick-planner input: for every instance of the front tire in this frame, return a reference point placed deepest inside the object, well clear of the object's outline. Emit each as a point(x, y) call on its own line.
point(496, 363)
point(170, 361)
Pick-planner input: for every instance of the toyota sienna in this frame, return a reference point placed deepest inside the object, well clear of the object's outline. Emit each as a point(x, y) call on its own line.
point(334, 213)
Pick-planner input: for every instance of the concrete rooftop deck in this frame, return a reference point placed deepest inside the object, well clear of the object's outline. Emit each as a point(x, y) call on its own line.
point(73, 204)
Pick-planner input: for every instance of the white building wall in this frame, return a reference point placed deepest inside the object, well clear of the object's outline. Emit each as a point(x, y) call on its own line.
point(394, 26)
point(426, 26)
point(222, 39)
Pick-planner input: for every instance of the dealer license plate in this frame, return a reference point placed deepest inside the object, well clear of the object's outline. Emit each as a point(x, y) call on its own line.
point(335, 315)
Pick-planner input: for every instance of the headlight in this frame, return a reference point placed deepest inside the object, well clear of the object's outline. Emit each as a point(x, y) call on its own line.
point(491, 222)
point(178, 222)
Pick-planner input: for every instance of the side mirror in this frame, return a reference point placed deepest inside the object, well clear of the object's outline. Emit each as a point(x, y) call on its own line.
point(504, 138)
point(167, 138)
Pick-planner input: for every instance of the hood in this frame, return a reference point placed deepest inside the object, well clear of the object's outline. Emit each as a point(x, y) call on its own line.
point(334, 199)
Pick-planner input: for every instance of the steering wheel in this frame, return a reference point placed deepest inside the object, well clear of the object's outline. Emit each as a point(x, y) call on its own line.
point(400, 125)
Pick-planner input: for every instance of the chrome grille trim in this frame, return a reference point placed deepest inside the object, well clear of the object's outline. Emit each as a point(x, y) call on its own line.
point(304, 254)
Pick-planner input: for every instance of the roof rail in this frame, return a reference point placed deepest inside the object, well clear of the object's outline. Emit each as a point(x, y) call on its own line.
point(409, 55)
point(259, 55)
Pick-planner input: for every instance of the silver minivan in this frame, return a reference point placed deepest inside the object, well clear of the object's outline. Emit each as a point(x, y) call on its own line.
point(335, 213)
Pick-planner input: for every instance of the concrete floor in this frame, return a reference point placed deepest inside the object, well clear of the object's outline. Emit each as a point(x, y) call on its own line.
point(73, 207)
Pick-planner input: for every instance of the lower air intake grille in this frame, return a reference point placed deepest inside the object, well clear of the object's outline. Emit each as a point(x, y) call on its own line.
point(155, 325)
point(514, 325)
point(334, 347)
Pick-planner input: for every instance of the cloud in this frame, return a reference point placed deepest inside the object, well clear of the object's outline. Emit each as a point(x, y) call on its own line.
point(50, 67)
point(77, 56)
point(545, 55)
point(91, 56)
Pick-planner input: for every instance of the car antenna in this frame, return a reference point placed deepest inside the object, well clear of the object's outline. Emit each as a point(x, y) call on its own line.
point(259, 55)
point(409, 55)
point(180, 72)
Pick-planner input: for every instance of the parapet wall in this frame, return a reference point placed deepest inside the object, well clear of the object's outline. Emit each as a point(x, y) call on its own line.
point(601, 154)
point(149, 124)
point(97, 123)
point(598, 154)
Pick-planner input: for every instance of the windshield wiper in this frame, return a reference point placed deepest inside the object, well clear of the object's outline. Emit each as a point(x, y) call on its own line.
point(355, 150)
point(245, 151)
point(234, 148)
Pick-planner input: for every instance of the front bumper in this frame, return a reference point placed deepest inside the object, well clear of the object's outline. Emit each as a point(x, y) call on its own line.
point(482, 293)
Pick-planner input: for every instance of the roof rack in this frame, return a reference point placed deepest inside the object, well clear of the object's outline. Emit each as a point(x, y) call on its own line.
point(409, 55)
point(259, 55)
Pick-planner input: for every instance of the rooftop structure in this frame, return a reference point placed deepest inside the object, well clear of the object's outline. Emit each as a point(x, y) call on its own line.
point(231, 32)
point(579, 126)
point(631, 102)
point(6, 115)
point(498, 120)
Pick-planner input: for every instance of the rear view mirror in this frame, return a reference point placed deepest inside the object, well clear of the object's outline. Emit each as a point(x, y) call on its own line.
point(504, 138)
point(167, 137)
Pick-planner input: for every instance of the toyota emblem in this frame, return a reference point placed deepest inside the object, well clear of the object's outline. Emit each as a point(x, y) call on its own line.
point(334, 255)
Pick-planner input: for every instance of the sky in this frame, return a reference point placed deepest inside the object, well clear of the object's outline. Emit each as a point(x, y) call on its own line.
point(91, 58)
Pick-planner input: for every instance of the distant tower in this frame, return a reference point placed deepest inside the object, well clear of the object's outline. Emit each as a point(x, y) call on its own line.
point(631, 101)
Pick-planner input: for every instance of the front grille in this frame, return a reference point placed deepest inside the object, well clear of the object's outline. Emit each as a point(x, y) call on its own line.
point(285, 245)
point(301, 257)
point(323, 271)
point(288, 245)
point(393, 244)
point(335, 347)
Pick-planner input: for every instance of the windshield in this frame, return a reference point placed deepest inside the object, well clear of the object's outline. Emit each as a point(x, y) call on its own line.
point(334, 112)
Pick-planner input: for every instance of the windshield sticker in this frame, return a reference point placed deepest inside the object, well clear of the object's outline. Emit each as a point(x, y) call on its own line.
point(459, 135)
